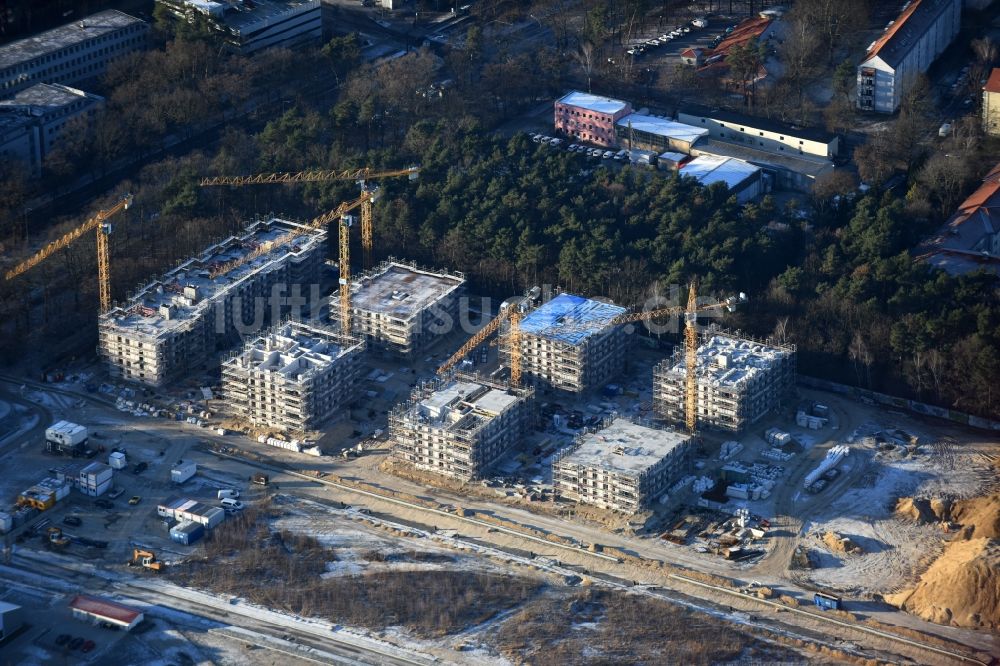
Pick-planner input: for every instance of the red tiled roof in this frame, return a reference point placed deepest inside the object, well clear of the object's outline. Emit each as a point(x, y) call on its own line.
point(993, 84)
point(744, 32)
point(690, 53)
point(981, 197)
point(105, 608)
point(900, 22)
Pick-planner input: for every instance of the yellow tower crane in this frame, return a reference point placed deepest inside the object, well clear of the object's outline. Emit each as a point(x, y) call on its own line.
point(511, 313)
point(99, 222)
point(362, 176)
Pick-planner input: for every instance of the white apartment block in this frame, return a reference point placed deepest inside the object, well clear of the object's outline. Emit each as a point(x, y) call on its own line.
point(905, 50)
point(461, 426)
point(249, 26)
point(32, 121)
point(175, 323)
point(77, 51)
point(567, 345)
point(402, 309)
point(294, 377)
point(622, 467)
point(739, 381)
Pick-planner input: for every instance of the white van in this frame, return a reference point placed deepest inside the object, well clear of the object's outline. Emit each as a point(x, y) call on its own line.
point(229, 493)
point(230, 503)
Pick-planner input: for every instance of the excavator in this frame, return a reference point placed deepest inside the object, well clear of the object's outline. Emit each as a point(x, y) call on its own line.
point(145, 559)
point(56, 538)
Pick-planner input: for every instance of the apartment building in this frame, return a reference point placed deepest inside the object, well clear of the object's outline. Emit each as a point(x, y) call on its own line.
point(740, 380)
point(590, 118)
point(906, 49)
point(623, 466)
point(75, 52)
point(402, 309)
point(294, 377)
point(567, 344)
point(460, 426)
point(32, 121)
point(175, 323)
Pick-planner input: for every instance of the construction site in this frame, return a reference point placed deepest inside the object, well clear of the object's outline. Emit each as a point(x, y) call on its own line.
point(739, 381)
point(402, 309)
point(174, 324)
point(294, 377)
point(460, 426)
point(621, 466)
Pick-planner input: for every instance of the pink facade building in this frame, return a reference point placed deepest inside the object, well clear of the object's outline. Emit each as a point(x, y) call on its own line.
point(590, 118)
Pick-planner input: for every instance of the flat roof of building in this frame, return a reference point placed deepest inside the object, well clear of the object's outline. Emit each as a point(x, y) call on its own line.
point(591, 102)
point(728, 361)
point(710, 169)
point(6, 607)
point(47, 96)
point(807, 165)
point(624, 447)
point(911, 24)
point(141, 312)
point(265, 12)
point(295, 350)
point(55, 39)
point(400, 290)
point(105, 609)
point(724, 115)
point(673, 157)
point(569, 318)
point(459, 404)
point(641, 122)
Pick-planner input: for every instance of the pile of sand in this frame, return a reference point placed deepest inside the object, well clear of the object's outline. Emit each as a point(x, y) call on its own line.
point(961, 588)
point(840, 544)
point(978, 517)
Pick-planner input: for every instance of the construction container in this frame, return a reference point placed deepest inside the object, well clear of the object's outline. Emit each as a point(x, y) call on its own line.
point(738, 491)
point(37, 497)
point(183, 471)
point(183, 509)
point(827, 601)
point(293, 445)
point(66, 435)
point(734, 473)
point(117, 460)
point(187, 532)
point(95, 479)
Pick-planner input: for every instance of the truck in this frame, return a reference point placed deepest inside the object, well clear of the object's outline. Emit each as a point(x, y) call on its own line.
point(228, 493)
point(260, 479)
point(183, 471)
point(827, 601)
point(63, 437)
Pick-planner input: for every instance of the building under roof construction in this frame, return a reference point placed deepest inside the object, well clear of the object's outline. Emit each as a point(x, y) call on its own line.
point(460, 426)
point(174, 323)
point(739, 381)
point(566, 344)
point(402, 309)
point(623, 466)
point(293, 377)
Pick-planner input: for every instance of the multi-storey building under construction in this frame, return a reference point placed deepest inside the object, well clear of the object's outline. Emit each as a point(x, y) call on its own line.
point(402, 309)
point(740, 379)
point(294, 377)
point(460, 426)
point(566, 344)
point(174, 323)
point(622, 466)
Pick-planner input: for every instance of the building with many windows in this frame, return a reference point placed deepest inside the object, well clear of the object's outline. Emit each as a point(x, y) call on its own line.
point(906, 49)
point(623, 466)
point(460, 426)
point(590, 118)
point(32, 121)
point(175, 323)
point(567, 344)
point(294, 377)
point(739, 381)
point(248, 26)
point(72, 53)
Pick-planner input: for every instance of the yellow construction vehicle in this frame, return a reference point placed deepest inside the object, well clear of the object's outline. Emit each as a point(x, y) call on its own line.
point(103, 227)
point(56, 538)
point(362, 176)
point(145, 559)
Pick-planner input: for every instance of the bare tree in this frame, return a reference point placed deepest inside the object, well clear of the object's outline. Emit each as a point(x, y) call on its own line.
point(585, 56)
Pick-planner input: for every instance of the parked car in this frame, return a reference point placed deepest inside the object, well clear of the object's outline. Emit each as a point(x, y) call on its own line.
point(103, 504)
point(72, 521)
point(555, 143)
point(608, 154)
point(699, 23)
point(135, 499)
point(63, 639)
point(88, 646)
point(140, 467)
point(116, 493)
point(944, 130)
point(75, 643)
